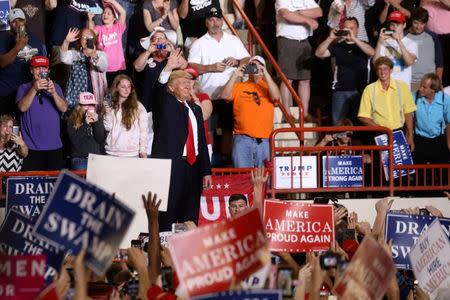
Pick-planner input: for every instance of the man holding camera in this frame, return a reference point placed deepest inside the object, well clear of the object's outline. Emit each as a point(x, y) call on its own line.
point(350, 73)
point(401, 50)
point(253, 102)
point(41, 101)
point(215, 56)
point(16, 49)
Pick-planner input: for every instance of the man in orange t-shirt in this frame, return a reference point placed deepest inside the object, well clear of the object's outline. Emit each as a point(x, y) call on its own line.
point(253, 102)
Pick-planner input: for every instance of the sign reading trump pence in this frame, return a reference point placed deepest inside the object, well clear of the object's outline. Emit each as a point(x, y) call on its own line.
point(430, 260)
point(207, 258)
point(80, 215)
point(298, 227)
point(295, 172)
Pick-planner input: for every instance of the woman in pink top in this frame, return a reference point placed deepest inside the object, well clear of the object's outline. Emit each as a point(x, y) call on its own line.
point(110, 36)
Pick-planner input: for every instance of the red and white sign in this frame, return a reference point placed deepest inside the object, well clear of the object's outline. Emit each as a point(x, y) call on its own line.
point(214, 202)
point(293, 226)
point(369, 273)
point(430, 260)
point(207, 258)
point(21, 276)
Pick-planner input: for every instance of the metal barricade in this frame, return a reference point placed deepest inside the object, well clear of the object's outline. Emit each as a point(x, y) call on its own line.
point(372, 174)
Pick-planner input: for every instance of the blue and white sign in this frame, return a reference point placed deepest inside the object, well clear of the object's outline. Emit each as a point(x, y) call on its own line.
point(302, 170)
point(16, 238)
point(342, 171)
point(405, 230)
point(4, 15)
point(243, 294)
point(401, 153)
point(28, 194)
point(80, 215)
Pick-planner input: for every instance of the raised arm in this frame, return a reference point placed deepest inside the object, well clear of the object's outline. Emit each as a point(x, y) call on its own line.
point(9, 57)
point(183, 9)
point(151, 206)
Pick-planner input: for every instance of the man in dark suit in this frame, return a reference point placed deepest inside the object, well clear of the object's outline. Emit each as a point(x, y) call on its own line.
point(180, 136)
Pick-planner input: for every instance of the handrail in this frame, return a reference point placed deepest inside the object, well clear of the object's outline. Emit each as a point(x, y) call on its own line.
point(301, 149)
point(276, 66)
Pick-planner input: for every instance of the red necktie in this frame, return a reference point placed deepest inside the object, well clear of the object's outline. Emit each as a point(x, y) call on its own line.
point(190, 147)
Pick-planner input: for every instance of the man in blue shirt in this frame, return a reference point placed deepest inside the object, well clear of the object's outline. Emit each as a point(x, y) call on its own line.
point(431, 119)
point(17, 47)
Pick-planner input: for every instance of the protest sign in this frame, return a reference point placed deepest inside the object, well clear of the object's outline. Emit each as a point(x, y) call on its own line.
point(28, 194)
point(214, 202)
point(4, 15)
point(244, 295)
point(285, 170)
point(221, 251)
point(141, 177)
point(257, 280)
point(431, 261)
point(292, 226)
point(16, 238)
point(342, 171)
point(404, 230)
point(401, 153)
point(369, 273)
point(80, 215)
point(21, 276)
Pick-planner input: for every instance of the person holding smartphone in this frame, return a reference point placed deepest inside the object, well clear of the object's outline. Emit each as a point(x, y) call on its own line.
point(85, 130)
point(12, 147)
point(88, 66)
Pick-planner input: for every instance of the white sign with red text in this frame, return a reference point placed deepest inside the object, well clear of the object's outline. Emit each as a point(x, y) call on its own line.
point(295, 172)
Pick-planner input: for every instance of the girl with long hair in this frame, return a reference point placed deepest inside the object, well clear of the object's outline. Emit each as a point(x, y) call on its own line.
point(85, 131)
point(125, 120)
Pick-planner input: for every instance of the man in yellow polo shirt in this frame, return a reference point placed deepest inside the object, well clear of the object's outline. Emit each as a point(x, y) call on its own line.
point(388, 102)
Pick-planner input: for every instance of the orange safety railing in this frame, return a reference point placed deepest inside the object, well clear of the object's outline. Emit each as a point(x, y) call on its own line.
point(371, 155)
point(426, 177)
point(5, 175)
point(252, 31)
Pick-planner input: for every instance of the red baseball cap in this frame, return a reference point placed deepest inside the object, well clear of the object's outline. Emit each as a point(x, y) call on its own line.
point(39, 61)
point(191, 71)
point(397, 16)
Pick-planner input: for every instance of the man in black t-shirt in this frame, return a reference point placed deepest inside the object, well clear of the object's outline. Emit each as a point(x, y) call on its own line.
point(192, 18)
point(351, 70)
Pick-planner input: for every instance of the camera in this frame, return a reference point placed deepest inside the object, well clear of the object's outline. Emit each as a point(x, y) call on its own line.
point(178, 227)
point(389, 32)
point(251, 69)
point(161, 46)
point(329, 260)
point(339, 135)
point(341, 33)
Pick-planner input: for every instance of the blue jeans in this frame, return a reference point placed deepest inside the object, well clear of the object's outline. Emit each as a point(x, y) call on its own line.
point(79, 163)
point(247, 153)
point(343, 103)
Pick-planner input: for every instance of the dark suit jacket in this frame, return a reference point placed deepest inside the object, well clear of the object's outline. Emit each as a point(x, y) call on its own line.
point(170, 125)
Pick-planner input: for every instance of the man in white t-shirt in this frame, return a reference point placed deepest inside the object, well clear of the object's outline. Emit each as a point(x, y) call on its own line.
point(215, 56)
point(401, 50)
point(295, 23)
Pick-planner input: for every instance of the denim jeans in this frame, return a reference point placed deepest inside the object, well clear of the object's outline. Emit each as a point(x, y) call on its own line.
point(247, 153)
point(79, 163)
point(343, 104)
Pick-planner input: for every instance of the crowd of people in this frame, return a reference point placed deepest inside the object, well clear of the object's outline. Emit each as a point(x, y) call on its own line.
point(57, 51)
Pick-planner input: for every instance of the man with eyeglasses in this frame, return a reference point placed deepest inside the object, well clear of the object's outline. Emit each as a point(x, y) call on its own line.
point(41, 101)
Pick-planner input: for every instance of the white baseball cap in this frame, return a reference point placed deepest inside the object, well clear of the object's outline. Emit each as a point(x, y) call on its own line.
point(171, 36)
point(16, 13)
point(258, 58)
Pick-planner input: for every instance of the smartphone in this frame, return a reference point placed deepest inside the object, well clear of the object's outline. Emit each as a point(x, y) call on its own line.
point(22, 31)
point(131, 288)
point(44, 75)
point(341, 33)
point(136, 244)
point(90, 43)
point(329, 260)
point(285, 281)
point(71, 273)
point(15, 130)
point(422, 211)
point(121, 256)
point(161, 46)
point(167, 278)
point(108, 99)
point(251, 69)
point(178, 227)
